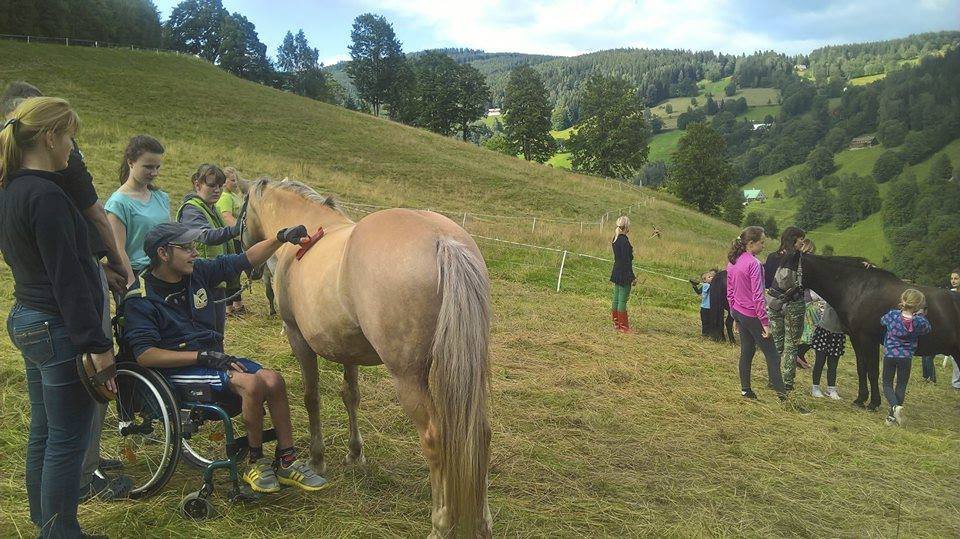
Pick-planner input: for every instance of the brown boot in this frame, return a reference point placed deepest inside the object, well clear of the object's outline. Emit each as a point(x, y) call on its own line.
point(624, 326)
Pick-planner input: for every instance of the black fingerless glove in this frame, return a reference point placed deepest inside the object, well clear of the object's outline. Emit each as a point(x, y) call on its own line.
point(292, 235)
point(214, 359)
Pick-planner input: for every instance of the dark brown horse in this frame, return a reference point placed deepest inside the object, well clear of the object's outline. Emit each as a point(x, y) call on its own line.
point(861, 295)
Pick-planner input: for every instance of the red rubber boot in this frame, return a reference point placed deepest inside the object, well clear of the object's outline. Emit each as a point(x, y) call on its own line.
point(615, 316)
point(624, 326)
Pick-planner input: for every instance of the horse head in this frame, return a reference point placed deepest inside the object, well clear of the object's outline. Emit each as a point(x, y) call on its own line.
point(251, 228)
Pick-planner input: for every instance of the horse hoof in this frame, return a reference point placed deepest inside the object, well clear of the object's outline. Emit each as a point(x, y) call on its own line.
point(358, 460)
point(320, 468)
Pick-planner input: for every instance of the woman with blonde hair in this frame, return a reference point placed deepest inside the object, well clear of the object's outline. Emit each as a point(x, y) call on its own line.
point(622, 275)
point(230, 205)
point(58, 305)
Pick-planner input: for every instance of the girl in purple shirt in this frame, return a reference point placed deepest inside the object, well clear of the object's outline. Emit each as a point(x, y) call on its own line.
point(745, 288)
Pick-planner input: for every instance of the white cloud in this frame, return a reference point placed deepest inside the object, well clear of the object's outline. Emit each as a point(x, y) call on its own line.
point(335, 59)
point(570, 27)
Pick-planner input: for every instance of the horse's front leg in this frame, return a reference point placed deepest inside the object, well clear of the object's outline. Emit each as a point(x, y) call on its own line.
point(350, 393)
point(872, 361)
point(311, 394)
point(861, 354)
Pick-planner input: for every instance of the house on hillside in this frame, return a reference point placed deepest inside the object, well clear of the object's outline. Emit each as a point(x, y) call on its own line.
point(493, 112)
point(757, 127)
point(800, 67)
point(864, 141)
point(751, 195)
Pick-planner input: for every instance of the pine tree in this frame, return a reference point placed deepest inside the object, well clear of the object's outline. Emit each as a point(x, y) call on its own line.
point(526, 115)
point(376, 57)
point(473, 95)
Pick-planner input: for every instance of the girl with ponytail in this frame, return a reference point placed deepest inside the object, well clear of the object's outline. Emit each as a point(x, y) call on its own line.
point(138, 205)
point(622, 275)
point(748, 307)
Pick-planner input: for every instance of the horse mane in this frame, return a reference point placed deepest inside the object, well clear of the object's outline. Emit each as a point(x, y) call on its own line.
point(858, 262)
point(301, 189)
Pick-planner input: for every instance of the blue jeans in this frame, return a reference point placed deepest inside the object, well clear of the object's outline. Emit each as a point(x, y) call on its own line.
point(60, 418)
point(929, 371)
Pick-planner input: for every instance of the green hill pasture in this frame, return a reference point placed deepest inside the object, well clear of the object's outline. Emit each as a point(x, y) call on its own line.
point(862, 239)
point(594, 433)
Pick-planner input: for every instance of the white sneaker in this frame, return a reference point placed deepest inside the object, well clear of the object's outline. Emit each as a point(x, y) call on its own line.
point(898, 414)
point(816, 392)
point(890, 421)
point(832, 393)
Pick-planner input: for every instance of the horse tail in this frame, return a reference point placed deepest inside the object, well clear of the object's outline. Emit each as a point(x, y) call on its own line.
point(459, 383)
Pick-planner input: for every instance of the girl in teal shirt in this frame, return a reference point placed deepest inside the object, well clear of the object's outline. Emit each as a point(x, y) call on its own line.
point(138, 205)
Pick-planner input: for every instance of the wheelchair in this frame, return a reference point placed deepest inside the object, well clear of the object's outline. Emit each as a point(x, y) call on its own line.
point(153, 424)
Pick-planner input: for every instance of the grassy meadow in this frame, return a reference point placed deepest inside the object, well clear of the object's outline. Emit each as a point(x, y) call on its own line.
point(594, 433)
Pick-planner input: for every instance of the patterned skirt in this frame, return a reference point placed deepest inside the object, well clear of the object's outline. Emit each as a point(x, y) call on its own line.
point(831, 344)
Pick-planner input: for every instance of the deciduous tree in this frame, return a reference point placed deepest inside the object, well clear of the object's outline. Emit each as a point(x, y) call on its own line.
point(701, 174)
point(376, 57)
point(612, 139)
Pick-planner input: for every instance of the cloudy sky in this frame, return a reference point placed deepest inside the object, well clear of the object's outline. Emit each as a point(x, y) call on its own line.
point(570, 27)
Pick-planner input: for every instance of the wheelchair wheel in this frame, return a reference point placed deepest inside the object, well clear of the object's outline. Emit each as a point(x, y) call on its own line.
point(204, 446)
point(142, 429)
point(208, 442)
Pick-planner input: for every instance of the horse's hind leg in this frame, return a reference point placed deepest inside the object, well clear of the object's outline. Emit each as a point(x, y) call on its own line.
point(872, 367)
point(311, 394)
point(416, 402)
point(350, 393)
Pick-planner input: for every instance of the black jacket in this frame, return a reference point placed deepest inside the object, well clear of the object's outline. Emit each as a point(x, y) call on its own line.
point(77, 183)
point(622, 273)
point(770, 268)
point(44, 241)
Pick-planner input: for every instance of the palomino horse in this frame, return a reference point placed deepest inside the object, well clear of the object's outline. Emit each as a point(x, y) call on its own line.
point(408, 289)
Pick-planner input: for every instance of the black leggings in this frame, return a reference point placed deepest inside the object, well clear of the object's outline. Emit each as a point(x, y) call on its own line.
point(751, 336)
point(831, 362)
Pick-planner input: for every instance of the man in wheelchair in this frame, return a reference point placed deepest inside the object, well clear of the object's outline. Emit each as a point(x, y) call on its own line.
point(170, 321)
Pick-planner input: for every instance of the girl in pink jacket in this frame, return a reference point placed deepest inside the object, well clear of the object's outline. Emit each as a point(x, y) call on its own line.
point(747, 305)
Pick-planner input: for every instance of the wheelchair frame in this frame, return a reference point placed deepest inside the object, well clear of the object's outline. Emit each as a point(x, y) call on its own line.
point(187, 416)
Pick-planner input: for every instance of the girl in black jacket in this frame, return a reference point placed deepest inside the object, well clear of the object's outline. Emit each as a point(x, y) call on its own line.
point(622, 275)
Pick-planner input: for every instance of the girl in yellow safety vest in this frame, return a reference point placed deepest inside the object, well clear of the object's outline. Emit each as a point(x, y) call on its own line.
point(198, 210)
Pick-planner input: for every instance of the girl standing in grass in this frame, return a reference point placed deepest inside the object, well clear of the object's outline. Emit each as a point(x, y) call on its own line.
point(622, 275)
point(138, 205)
point(902, 328)
point(703, 289)
point(828, 343)
point(929, 371)
point(785, 307)
point(749, 309)
point(230, 205)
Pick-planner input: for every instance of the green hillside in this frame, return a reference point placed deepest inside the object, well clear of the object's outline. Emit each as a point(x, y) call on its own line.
point(864, 238)
point(593, 433)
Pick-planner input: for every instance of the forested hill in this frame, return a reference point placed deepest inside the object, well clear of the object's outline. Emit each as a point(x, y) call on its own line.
point(862, 59)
